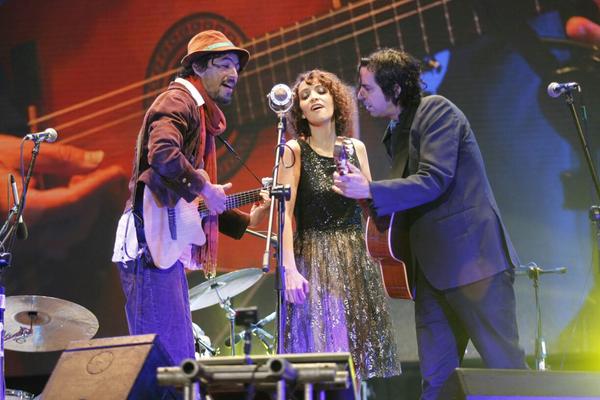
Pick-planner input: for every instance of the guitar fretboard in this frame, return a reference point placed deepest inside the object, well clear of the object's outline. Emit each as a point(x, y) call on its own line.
point(234, 201)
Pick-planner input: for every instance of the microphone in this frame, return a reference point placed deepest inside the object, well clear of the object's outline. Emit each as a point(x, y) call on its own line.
point(555, 89)
point(49, 135)
point(21, 227)
point(255, 329)
point(280, 98)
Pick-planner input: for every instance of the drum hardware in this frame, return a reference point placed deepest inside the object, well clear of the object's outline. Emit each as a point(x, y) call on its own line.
point(257, 330)
point(19, 336)
point(246, 317)
point(12, 394)
point(202, 343)
point(533, 271)
point(230, 314)
point(220, 290)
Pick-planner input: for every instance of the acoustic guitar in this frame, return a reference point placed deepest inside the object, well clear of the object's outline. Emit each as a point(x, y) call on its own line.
point(386, 237)
point(169, 231)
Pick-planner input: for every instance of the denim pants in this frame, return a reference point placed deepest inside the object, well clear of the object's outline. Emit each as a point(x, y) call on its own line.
point(157, 301)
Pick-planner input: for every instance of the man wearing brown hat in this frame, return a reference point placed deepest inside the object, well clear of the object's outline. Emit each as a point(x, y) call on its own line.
point(178, 164)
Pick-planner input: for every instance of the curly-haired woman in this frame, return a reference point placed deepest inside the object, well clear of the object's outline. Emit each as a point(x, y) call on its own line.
point(334, 291)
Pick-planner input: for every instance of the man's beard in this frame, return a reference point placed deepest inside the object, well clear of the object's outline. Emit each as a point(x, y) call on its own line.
point(223, 101)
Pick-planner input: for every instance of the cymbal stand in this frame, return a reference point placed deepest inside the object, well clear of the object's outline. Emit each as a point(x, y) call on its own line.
point(533, 272)
point(230, 313)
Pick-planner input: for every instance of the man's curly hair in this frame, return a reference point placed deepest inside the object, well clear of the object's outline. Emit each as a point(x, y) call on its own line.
point(343, 102)
point(393, 67)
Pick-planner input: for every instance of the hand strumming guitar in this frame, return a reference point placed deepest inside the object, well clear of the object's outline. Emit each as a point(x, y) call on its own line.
point(354, 185)
point(214, 195)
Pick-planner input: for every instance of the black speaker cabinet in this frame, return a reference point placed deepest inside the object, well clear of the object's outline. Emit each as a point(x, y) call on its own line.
point(109, 368)
point(513, 384)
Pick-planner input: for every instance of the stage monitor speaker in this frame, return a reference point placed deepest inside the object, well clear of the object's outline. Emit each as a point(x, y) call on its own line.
point(516, 384)
point(109, 368)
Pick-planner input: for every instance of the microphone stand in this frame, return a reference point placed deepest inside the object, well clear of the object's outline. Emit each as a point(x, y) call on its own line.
point(5, 259)
point(533, 271)
point(594, 211)
point(279, 194)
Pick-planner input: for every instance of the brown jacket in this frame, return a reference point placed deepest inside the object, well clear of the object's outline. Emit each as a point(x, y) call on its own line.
point(169, 165)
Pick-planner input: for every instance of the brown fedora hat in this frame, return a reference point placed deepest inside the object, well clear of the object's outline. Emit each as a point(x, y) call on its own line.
point(211, 41)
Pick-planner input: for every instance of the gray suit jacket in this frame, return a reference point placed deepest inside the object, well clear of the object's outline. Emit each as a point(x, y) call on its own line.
point(456, 232)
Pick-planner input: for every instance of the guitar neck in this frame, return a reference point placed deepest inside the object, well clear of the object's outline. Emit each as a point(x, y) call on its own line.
point(234, 201)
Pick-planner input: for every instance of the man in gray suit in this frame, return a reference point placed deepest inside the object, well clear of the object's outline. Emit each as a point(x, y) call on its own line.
point(462, 252)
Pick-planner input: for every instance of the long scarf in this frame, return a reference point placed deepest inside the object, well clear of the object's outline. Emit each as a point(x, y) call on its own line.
point(212, 124)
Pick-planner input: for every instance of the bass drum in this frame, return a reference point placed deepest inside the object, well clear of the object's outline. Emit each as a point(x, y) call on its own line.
point(12, 394)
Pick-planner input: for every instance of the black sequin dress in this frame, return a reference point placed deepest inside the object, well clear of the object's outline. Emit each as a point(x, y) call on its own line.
point(346, 308)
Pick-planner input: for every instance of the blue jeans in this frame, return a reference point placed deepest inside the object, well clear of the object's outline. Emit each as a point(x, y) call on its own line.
point(157, 301)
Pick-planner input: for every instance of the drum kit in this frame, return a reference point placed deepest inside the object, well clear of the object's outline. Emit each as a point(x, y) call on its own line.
point(220, 290)
point(41, 323)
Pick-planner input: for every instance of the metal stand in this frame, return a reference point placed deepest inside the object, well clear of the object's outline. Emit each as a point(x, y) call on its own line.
point(594, 211)
point(279, 194)
point(533, 272)
point(6, 233)
point(230, 312)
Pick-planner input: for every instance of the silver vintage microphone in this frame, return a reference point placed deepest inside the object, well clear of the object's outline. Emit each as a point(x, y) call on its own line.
point(49, 135)
point(280, 98)
point(555, 89)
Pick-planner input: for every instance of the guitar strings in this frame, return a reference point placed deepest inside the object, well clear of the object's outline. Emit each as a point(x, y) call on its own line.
point(396, 16)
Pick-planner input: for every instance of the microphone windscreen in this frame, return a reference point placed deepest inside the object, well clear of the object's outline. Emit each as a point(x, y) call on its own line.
point(52, 135)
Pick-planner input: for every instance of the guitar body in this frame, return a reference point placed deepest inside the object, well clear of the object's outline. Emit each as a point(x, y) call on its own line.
point(168, 233)
point(388, 242)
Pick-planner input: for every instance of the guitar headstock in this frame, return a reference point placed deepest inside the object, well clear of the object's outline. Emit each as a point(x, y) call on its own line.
point(266, 182)
point(342, 151)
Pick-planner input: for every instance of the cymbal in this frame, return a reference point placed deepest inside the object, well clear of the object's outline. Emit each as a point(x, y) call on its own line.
point(222, 287)
point(53, 322)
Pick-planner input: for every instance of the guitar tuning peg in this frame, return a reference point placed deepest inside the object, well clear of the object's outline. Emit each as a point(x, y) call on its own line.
point(267, 181)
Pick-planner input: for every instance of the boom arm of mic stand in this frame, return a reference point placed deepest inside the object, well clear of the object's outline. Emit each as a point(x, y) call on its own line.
point(274, 241)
